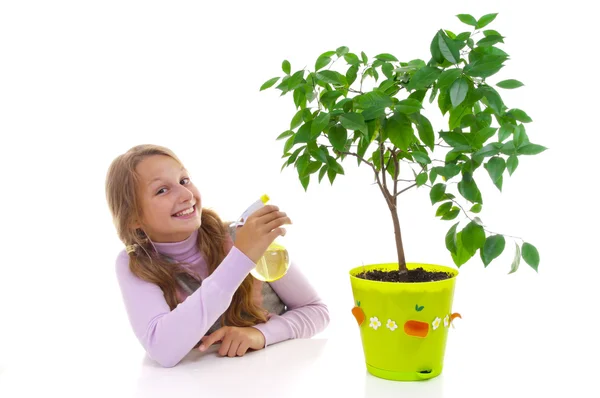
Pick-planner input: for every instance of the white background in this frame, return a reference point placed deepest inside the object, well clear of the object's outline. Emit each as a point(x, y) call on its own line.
point(81, 82)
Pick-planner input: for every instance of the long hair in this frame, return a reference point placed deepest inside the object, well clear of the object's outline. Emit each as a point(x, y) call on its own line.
point(149, 265)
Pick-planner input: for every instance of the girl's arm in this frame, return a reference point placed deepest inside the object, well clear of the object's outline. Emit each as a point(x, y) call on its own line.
point(307, 315)
point(168, 336)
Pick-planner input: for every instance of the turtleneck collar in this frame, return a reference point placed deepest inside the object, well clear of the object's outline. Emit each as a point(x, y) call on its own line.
point(181, 251)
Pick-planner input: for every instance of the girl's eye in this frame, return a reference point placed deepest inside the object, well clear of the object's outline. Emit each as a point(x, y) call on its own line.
point(161, 191)
point(185, 181)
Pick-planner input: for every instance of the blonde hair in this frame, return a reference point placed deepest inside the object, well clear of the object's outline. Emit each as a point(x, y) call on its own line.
point(149, 265)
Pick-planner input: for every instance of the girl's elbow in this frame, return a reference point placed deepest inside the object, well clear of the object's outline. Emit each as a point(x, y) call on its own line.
point(165, 360)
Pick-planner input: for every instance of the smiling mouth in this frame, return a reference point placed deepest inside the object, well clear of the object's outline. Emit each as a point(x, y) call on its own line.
point(186, 212)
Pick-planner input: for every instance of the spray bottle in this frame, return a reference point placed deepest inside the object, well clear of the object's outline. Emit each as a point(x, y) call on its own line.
point(275, 263)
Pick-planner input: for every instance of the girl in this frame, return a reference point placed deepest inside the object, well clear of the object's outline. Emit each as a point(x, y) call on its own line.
point(184, 281)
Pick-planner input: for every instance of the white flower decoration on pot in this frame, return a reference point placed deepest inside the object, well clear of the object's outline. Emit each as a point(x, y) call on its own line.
point(447, 321)
point(391, 325)
point(436, 323)
point(375, 323)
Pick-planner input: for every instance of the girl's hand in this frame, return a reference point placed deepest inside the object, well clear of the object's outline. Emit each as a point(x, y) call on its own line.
point(260, 230)
point(235, 341)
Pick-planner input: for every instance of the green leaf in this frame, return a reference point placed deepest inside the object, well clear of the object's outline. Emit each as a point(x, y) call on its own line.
point(329, 97)
point(289, 143)
point(456, 140)
point(424, 77)
point(484, 134)
point(457, 114)
point(493, 247)
point(469, 190)
point(341, 51)
point(351, 74)
point(322, 62)
point(332, 77)
point(425, 130)
point(508, 148)
point(433, 176)
point(512, 163)
point(386, 57)
point(473, 237)
point(303, 134)
point(354, 121)
point(493, 98)
point(305, 181)
point(295, 80)
point(399, 130)
point(434, 48)
point(322, 172)
point(312, 167)
point(487, 66)
point(300, 98)
point(408, 106)
point(338, 136)
point(463, 36)
point(495, 167)
point(421, 179)
point(467, 19)
point(286, 133)
point(452, 214)
point(531, 256)
point(334, 165)
point(301, 164)
point(517, 259)
point(490, 40)
point(475, 208)
point(373, 113)
point(444, 102)
point(451, 238)
point(352, 59)
point(319, 124)
point(491, 32)
point(437, 192)
point(462, 255)
point(448, 171)
point(443, 209)
point(388, 70)
point(286, 67)
point(531, 149)
point(269, 83)
point(364, 57)
point(421, 157)
point(448, 48)
point(319, 153)
point(458, 91)
point(510, 84)
point(506, 131)
point(520, 115)
point(448, 76)
point(485, 20)
point(373, 99)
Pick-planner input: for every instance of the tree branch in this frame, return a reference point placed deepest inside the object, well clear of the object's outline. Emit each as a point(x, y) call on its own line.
point(383, 170)
point(384, 191)
point(406, 189)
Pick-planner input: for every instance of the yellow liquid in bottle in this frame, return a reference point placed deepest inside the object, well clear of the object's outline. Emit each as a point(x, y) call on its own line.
point(273, 265)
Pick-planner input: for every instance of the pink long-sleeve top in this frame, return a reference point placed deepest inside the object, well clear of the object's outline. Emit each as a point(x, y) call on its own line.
point(168, 336)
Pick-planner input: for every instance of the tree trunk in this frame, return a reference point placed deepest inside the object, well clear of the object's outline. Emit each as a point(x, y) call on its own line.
point(399, 246)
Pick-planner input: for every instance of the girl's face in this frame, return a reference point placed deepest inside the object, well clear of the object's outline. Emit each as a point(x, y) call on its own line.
point(171, 205)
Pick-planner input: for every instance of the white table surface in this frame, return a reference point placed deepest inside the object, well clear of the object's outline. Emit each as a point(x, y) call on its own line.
point(317, 367)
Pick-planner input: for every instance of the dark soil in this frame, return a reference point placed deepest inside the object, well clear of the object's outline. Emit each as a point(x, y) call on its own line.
point(413, 275)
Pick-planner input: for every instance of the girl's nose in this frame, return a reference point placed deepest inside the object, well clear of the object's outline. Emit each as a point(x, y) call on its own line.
point(185, 194)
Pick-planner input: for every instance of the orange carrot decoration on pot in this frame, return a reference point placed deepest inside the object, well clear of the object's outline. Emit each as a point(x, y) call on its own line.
point(358, 313)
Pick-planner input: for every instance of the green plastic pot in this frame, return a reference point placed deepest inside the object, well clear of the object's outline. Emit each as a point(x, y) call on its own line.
point(404, 326)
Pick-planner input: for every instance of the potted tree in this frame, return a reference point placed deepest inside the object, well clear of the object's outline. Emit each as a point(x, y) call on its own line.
point(373, 110)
